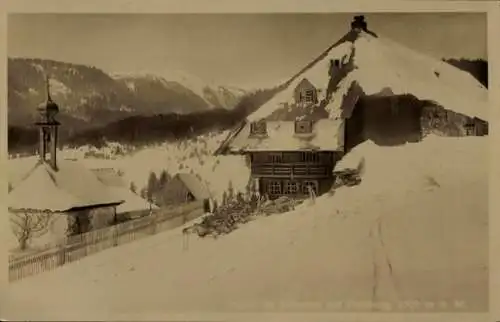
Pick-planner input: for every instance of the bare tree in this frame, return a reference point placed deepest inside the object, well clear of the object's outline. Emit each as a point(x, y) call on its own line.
point(26, 225)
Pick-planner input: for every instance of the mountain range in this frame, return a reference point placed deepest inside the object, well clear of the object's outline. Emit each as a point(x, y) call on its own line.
point(89, 97)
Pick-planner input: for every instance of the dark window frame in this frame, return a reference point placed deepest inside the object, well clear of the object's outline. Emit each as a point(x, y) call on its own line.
point(274, 187)
point(307, 183)
point(288, 185)
point(303, 127)
point(258, 128)
point(309, 96)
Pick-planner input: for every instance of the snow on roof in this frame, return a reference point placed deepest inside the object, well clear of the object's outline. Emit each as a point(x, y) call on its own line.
point(110, 177)
point(72, 186)
point(118, 188)
point(317, 75)
point(132, 202)
point(19, 167)
point(194, 185)
point(381, 64)
point(327, 135)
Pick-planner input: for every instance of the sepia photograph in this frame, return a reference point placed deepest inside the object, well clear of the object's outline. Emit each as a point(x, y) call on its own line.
point(247, 162)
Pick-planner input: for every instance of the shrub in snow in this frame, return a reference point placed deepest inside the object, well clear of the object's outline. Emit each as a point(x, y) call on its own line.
point(239, 208)
point(27, 225)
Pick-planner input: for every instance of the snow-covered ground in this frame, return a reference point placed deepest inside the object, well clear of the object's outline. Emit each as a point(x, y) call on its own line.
point(414, 229)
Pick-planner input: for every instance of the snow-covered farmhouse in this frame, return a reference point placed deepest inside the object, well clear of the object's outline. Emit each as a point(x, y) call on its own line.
point(363, 87)
point(184, 188)
point(55, 197)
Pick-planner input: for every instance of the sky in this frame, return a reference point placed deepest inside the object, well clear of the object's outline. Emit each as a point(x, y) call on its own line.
point(245, 50)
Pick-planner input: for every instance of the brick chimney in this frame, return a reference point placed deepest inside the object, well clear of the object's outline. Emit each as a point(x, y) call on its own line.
point(359, 23)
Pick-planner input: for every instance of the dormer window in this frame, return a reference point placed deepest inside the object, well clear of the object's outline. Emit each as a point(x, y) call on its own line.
point(305, 92)
point(303, 127)
point(258, 128)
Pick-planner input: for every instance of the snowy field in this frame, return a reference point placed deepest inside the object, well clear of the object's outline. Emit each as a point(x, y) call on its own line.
point(415, 229)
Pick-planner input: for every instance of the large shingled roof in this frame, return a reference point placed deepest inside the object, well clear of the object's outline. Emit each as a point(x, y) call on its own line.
point(376, 66)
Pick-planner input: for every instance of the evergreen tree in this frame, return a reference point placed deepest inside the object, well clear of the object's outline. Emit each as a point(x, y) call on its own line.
point(230, 190)
point(224, 198)
point(152, 187)
point(164, 178)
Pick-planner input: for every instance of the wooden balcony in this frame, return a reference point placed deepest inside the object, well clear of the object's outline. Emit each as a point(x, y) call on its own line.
point(281, 170)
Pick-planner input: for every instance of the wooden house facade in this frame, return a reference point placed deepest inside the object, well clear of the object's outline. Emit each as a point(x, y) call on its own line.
point(292, 152)
point(292, 173)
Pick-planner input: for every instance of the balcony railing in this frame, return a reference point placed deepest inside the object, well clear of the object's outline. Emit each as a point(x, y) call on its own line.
point(287, 170)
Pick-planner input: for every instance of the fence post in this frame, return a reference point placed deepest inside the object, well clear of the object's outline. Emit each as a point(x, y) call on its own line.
point(114, 233)
point(153, 223)
point(61, 254)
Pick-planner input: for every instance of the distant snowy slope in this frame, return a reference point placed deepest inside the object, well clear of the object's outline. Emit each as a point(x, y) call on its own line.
point(213, 95)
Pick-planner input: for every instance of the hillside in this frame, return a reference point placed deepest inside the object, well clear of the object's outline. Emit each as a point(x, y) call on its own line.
point(89, 97)
point(415, 237)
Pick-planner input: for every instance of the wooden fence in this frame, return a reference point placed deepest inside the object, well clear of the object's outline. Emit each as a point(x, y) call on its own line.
point(73, 248)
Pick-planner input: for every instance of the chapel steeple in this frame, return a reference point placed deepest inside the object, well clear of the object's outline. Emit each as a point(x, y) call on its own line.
point(48, 129)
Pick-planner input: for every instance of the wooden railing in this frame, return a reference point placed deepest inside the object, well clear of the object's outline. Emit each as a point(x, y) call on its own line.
point(73, 248)
point(285, 170)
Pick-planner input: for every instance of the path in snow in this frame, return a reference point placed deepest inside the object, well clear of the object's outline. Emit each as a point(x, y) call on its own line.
point(415, 229)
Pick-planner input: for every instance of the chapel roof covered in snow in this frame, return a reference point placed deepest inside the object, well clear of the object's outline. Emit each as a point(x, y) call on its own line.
point(374, 65)
point(72, 186)
point(118, 188)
